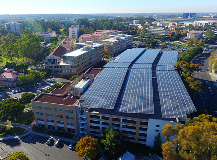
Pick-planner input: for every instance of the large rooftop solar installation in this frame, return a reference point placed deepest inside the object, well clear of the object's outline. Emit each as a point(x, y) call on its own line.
point(104, 91)
point(168, 57)
point(174, 99)
point(117, 65)
point(138, 93)
point(149, 56)
point(138, 66)
point(165, 68)
point(128, 55)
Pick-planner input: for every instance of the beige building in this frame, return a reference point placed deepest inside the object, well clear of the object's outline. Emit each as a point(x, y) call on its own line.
point(195, 34)
point(59, 110)
point(74, 31)
point(78, 61)
point(69, 43)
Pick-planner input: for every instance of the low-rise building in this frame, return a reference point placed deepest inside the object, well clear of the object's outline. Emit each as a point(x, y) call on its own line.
point(69, 43)
point(195, 34)
point(203, 23)
point(47, 35)
point(78, 61)
point(9, 77)
point(157, 31)
point(54, 58)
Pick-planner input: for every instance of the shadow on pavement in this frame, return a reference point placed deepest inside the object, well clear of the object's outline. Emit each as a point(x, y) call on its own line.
point(12, 142)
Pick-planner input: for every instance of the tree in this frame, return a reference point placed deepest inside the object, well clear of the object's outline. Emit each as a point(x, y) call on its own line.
point(2, 128)
point(18, 156)
point(87, 147)
point(196, 139)
point(157, 145)
point(210, 34)
point(111, 140)
point(10, 109)
point(26, 98)
point(73, 77)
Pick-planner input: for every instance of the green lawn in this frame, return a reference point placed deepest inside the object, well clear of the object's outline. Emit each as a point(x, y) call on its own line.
point(4, 60)
point(12, 131)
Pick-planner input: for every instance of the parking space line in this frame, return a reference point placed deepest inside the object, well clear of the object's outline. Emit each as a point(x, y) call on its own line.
point(39, 139)
point(34, 139)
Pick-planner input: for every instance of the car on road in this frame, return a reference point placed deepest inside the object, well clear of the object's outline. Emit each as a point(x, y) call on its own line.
point(72, 146)
point(13, 91)
point(48, 80)
point(16, 91)
point(57, 144)
point(38, 91)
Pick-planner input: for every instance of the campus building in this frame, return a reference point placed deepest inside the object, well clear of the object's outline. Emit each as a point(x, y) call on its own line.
point(74, 31)
point(14, 26)
point(157, 31)
point(47, 35)
point(78, 61)
point(137, 92)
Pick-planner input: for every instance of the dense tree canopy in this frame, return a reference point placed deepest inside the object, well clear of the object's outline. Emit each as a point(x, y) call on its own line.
point(110, 140)
point(26, 98)
point(196, 139)
point(10, 109)
point(210, 35)
point(190, 54)
point(18, 156)
point(87, 147)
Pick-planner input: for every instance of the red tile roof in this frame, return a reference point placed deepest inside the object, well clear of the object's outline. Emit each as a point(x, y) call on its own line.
point(67, 39)
point(97, 35)
point(94, 71)
point(9, 75)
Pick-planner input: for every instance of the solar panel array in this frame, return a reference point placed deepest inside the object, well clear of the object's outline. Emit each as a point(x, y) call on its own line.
point(128, 55)
point(104, 91)
point(138, 94)
point(174, 99)
point(117, 65)
point(137, 66)
point(149, 56)
point(165, 68)
point(168, 57)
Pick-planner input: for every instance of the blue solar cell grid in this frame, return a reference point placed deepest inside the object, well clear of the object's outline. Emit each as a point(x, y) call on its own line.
point(138, 66)
point(149, 56)
point(174, 99)
point(165, 68)
point(128, 55)
point(117, 65)
point(138, 93)
point(168, 57)
point(105, 89)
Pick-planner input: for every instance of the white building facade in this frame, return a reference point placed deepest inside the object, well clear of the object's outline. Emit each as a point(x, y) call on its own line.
point(74, 31)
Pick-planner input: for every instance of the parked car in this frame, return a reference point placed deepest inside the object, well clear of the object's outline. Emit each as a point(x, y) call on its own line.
point(49, 141)
point(16, 98)
point(13, 91)
point(16, 91)
point(38, 91)
point(48, 80)
point(23, 89)
point(72, 146)
point(57, 143)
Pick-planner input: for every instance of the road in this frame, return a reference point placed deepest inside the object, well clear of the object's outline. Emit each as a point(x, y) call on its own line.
point(206, 101)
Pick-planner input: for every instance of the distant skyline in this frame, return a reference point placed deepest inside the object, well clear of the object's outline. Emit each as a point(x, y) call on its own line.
point(105, 6)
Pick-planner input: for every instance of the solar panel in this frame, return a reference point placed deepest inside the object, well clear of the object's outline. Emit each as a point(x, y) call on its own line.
point(104, 91)
point(137, 66)
point(174, 99)
point(128, 55)
point(165, 68)
point(138, 93)
point(117, 65)
point(168, 57)
point(148, 56)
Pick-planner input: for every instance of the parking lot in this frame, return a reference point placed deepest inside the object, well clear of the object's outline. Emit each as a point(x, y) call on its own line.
point(42, 140)
point(35, 147)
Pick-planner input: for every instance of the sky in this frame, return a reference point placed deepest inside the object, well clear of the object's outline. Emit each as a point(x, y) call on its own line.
point(105, 6)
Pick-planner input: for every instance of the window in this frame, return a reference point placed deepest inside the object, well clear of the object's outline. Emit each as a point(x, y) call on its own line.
point(40, 119)
point(38, 107)
point(70, 117)
point(105, 118)
point(157, 130)
point(58, 109)
point(51, 115)
point(70, 124)
point(47, 114)
point(143, 134)
point(60, 122)
point(95, 116)
point(49, 120)
point(144, 123)
point(116, 119)
point(57, 116)
point(67, 117)
point(128, 121)
point(39, 113)
point(61, 116)
point(157, 125)
point(142, 129)
point(68, 111)
point(46, 108)
point(96, 122)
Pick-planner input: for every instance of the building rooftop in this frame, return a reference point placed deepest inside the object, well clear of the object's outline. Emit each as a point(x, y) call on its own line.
point(58, 51)
point(67, 39)
point(94, 71)
point(61, 90)
point(9, 75)
point(57, 99)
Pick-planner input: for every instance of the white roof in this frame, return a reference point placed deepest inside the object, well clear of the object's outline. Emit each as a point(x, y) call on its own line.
point(81, 83)
point(76, 53)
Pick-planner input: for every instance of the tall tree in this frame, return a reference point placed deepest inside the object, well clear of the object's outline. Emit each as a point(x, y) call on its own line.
point(157, 145)
point(87, 147)
point(26, 98)
point(196, 139)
